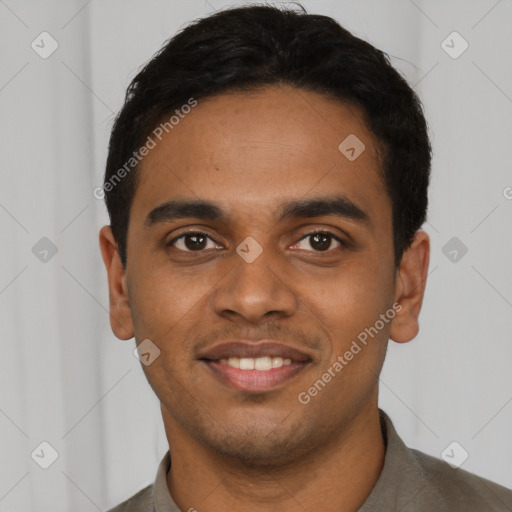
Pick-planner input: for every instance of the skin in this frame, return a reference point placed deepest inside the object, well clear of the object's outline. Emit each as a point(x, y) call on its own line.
point(249, 153)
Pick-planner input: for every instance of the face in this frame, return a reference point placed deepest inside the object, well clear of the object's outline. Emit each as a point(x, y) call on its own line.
point(258, 254)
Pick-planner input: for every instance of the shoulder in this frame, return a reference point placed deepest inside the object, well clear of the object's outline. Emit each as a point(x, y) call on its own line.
point(139, 502)
point(413, 481)
point(458, 489)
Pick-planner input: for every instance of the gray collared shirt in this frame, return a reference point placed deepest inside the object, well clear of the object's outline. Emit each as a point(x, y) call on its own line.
point(410, 481)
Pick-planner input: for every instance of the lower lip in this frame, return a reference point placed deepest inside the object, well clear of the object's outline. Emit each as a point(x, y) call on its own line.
point(254, 380)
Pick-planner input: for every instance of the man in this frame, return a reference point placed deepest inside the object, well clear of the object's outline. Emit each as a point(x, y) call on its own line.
point(266, 183)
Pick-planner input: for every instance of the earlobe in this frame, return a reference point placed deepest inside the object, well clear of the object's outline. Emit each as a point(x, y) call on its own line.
point(410, 288)
point(120, 313)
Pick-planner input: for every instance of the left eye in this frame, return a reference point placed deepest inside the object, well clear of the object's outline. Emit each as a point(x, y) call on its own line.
point(320, 241)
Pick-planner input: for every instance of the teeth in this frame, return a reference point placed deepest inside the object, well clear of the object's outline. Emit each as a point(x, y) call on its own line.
point(233, 361)
point(277, 362)
point(263, 363)
point(246, 363)
point(258, 363)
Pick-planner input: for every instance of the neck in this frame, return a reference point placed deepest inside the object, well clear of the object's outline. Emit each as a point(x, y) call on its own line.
point(338, 477)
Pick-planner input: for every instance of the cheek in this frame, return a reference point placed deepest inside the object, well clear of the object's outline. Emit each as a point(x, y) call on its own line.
point(351, 298)
point(166, 302)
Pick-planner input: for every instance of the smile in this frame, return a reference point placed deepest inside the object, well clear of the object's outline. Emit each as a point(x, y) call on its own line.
point(259, 363)
point(254, 367)
point(243, 375)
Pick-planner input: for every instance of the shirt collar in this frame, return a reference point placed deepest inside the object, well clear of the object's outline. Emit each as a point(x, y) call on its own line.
point(401, 478)
point(162, 501)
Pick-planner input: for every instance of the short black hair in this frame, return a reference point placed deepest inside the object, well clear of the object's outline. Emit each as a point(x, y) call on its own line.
point(246, 48)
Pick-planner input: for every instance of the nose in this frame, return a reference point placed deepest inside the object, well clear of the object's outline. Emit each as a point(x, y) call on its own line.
point(255, 290)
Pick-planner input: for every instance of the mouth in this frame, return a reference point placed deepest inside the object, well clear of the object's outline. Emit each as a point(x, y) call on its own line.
point(254, 366)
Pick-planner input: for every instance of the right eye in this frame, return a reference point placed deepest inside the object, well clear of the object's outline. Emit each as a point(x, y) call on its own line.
point(191, 241)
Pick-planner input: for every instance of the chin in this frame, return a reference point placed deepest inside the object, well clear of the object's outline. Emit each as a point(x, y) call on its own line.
point(259, 447)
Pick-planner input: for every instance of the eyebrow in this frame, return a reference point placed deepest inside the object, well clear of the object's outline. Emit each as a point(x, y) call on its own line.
point(339, 206)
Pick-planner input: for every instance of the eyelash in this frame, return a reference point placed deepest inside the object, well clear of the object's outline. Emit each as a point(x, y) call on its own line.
point(309, 234)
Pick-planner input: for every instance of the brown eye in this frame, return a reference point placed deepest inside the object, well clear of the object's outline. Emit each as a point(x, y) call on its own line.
point(320, 241)
point(190, 242)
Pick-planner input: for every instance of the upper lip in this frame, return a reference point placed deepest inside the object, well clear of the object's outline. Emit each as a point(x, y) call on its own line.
point(253, 349)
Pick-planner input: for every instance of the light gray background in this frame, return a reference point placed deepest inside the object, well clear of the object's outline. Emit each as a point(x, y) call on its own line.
point(65, 378)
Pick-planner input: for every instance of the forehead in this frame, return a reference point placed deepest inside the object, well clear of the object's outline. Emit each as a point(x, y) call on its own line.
point(252, 151)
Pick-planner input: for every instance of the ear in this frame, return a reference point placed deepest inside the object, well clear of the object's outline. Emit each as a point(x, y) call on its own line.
point(120, 313)
point(411, 278)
